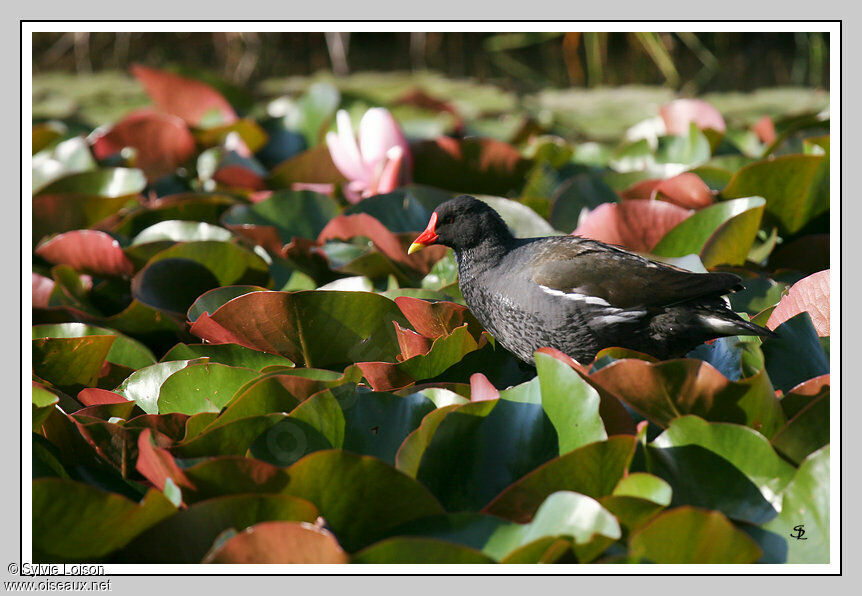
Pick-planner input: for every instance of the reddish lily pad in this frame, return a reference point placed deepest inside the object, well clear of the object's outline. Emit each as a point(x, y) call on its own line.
point(157, 464)
point(635, 225)
point(811, 295)
point(42, 289)
point(317, 328)
point(411, 343)
point(187, 536)
point(90, 251)
point(445, 352)
point(345, 227)
point(279, 542)
point(191, 100)
point(481, 388)
point(686, 190)
point(436, 319)
point(666, 390)
point(161, 141)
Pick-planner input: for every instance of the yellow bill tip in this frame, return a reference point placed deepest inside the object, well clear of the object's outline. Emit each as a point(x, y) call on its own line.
point(415, 247)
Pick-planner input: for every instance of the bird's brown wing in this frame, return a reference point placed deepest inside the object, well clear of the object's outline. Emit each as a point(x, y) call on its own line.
point(623, 279)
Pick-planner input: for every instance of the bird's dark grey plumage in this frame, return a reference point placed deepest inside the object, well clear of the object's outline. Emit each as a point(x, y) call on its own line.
point(578, 295)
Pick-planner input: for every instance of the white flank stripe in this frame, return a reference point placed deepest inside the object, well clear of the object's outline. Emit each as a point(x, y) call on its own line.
point(575, 296)
point(719, 324)
point(622, 317)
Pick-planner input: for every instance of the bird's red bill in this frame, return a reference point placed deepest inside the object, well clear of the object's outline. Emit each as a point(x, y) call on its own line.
point(429, 236)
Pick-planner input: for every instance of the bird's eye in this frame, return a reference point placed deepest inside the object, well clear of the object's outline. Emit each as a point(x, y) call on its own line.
point(448, 219)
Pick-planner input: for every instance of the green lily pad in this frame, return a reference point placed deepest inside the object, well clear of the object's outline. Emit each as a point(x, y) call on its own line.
point(415, 550)
point(656, 391)
point(71, 362)
point(232, 475)
point(292, 213)
point(692, 149)
point(281, 389)
point(143, 385)
point(355, 495)
point(702, 478)
point(522, 221)
point(720, 234)
point(124, 351)
point(796, 187)
point(480, 448)
point(562, 514)
point(313, 166)
point(231, 438)
point(689, 535)
point(571, 403)
point(187, 536)
point(593, 470)
point(405, 209)
point(806, 432)
point(174, 230)
point(43, 404)
point(796, 355)
point(202, 388)
point(362, 422)
point(805, 506)
point(748, 450)
point(76, 522)
point(229, 354)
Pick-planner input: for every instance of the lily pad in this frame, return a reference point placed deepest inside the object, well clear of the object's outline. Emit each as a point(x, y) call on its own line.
point(689, 535)
point(796, 187)
point(720, 234)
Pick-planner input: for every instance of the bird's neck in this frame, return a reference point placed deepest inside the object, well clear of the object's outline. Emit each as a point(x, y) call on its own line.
point(484, 256)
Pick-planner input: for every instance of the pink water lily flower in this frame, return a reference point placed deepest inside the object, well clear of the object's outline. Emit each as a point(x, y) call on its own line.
point(378, 163)
point(680, 113)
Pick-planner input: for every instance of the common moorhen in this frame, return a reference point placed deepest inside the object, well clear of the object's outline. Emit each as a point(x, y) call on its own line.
point(578, 295)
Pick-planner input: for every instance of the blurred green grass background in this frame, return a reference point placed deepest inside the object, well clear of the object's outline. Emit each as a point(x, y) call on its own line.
point(594, 84)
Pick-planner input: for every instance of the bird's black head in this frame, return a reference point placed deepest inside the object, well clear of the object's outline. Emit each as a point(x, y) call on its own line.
point(463, 223)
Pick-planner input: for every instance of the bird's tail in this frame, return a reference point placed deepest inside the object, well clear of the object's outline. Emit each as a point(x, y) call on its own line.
point(726, 322)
